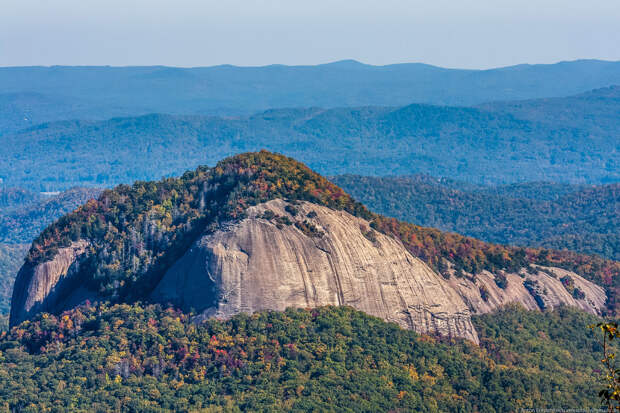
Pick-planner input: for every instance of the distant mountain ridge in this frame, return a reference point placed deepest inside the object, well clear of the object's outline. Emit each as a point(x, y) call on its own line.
point(490, 144)
point(32, 95)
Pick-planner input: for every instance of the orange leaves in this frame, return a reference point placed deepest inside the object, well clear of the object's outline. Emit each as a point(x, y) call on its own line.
point(66, 322)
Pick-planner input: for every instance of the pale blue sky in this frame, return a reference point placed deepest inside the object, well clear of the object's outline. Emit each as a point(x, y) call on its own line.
point(467, 34)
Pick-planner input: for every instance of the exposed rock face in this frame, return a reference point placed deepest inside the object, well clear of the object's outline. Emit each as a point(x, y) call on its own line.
point(36, 289)
point(261, 264)
point(306, 255)
point(549, 288)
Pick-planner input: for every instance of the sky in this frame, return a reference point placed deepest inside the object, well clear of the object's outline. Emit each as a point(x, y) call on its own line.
point(460, 34)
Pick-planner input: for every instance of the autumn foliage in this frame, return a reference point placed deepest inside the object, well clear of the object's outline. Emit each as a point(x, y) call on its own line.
point(136, 232)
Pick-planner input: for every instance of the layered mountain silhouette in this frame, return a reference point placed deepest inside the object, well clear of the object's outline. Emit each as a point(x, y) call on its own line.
point(33, 95)
point(557, 140)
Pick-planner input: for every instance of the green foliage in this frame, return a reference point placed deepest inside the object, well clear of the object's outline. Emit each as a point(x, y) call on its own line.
point(611, 393)
point(580, 218)
point(500, 279)
point(309, 229)
point(484, 292)
point(569, 284)
point(145, 358)
point(557, 342)
point(137, 232)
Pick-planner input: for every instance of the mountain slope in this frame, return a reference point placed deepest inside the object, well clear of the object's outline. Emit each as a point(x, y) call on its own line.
point(32, 95)
point(596, 111)
point(23, 221)
point(144, 358)
point(131, 240)
point(469, 144)
point(584, 219)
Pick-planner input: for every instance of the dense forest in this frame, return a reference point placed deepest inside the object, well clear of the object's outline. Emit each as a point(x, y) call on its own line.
point(137, 358)
point(580, 218)
point(136, 232)
point(24, 221)
point(526, 184)
point(471, 144)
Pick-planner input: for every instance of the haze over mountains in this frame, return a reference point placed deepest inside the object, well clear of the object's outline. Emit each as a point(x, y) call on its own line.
point(572, 139)
point(33, 95)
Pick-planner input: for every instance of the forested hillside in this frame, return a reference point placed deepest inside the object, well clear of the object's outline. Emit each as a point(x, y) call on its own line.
point(136, 232)
point(145, 358)
point(23, 221)
point(596, 110)
point(469, 144)
point(584, 219)
point(33, 95)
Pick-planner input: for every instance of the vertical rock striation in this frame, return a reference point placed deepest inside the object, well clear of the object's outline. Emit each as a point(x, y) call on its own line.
point(262, 263)
point(302, 254)
point(37, 288)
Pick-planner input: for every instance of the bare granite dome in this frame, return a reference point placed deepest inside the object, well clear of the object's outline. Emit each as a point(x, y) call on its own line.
point(263, 263)
point(302, 254)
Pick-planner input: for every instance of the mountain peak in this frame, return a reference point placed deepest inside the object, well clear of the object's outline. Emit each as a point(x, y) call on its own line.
point(346, 63)
point(120, 246)
point(262, 176)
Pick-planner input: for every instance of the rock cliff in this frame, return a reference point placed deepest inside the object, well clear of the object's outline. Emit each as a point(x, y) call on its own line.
point(546, 285)
point(303, 254)
point(307, 255)
point(38, 288)
point(335, 258)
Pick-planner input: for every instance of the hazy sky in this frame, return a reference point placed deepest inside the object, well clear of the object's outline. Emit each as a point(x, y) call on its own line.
point(469, 34)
